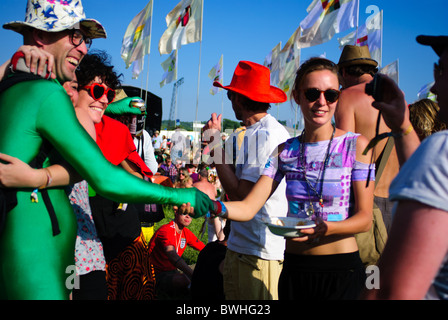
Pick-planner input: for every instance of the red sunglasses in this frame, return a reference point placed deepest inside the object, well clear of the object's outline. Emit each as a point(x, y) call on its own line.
point(97, 91)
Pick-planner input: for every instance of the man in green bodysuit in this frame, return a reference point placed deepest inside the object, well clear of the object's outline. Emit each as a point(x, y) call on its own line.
point(34, 256)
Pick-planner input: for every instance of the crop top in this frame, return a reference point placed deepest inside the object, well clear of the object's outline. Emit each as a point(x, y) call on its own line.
point(342, 170)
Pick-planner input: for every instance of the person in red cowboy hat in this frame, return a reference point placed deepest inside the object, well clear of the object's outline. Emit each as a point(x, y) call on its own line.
point(414, 263)
point(254, 258)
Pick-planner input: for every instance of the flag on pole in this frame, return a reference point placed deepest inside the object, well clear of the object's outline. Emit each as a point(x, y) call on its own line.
point(272, 61)
point(216, 74)
point(326, 18)
point(289, 59)
point(137, 40)
point(184, 24)
point(291, 50)
point(369, 34)
point(170, 68)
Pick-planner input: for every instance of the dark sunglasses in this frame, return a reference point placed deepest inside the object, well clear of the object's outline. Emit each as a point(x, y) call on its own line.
point(331, 95)
point(97, 91)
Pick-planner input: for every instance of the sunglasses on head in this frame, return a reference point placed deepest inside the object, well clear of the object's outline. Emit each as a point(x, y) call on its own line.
point(331, 95)
point(97, 91)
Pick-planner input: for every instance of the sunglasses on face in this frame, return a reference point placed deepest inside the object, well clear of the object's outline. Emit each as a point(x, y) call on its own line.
point(97, 91)
point(331, 95)
point(77, 37)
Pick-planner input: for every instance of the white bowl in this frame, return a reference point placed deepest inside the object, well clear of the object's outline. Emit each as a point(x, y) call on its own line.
point(288, 227)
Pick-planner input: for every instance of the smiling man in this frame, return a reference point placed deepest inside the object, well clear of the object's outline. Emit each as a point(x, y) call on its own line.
point(37, 269)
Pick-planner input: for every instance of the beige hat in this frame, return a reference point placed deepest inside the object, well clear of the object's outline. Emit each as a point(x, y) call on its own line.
point(356, 55)
point(56, 16)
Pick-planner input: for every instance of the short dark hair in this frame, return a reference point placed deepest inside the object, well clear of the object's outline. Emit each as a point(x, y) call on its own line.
point(98, 64)
point(254, 106)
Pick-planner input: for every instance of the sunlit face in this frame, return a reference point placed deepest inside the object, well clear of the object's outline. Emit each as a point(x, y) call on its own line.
point(440, 87)
point(183, 219)
point(320, 111)
point(94, 108)
point(67, 56)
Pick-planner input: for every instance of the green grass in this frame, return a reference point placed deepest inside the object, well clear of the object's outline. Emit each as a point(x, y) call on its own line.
point(190, 255)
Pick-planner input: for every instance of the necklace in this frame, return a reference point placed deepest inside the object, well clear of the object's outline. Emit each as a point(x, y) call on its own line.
point(310, 210)
point(175, 237)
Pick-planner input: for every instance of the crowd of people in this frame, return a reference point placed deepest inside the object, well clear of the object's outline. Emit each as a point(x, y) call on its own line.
point(83, 176)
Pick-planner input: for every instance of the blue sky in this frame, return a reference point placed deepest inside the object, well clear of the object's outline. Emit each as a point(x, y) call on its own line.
point(247, 30)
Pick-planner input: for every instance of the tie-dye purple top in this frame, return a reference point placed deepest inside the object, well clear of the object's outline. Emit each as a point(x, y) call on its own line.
point(341, 171)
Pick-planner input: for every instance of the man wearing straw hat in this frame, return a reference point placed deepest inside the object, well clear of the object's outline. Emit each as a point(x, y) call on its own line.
point(254, 256)
point(355, 113)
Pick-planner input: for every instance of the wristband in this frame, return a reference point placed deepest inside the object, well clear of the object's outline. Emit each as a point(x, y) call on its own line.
point(49, 179)
point(221, 210)
point(408, 131)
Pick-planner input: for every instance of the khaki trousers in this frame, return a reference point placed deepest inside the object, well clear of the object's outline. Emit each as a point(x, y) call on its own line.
point(248, 277)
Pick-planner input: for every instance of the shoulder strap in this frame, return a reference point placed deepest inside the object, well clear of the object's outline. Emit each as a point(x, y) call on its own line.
point(38, 164)
point(383, 158)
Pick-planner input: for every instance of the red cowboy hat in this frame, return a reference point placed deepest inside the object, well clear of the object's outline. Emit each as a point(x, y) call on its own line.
point(253, 80)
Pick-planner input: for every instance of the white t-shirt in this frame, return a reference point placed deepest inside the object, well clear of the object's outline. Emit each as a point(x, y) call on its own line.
point(149, 157)
point(253, 237)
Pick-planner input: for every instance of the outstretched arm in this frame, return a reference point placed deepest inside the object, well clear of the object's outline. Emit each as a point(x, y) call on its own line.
point(247, 208)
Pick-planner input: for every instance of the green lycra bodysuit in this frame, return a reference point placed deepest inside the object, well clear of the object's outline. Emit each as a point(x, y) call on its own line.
point(33, 262)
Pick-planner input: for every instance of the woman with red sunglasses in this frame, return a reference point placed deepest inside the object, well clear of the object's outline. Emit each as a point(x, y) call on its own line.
point(326, 175)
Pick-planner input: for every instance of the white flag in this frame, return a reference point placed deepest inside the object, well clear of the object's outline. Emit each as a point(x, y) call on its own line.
point(216, 74)
point(184, 24)
point(425, 92)
point(137, 39)
point(369, 34)
point(391, 70)
point(170, 68)
point(327, 18)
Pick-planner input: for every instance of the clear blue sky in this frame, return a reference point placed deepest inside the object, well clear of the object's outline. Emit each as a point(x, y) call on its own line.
point(247, 30)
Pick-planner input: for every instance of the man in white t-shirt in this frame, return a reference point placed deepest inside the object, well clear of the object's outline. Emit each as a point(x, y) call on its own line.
point(254, 256)
point(156, 140)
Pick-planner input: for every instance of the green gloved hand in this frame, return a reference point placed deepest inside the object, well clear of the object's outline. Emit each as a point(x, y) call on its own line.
point(201, 202)
point(122, 107)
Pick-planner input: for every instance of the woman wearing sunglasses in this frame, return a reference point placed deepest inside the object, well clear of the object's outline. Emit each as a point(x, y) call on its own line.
point(326, 177)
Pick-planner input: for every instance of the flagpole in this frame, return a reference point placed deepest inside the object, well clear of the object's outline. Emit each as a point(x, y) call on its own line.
point(222, 96)
point(381, 17)
point(147, 66)
point(199, 67)
point(357, 23)
point(147, 78)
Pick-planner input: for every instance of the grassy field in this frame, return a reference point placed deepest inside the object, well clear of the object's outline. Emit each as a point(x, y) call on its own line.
point(190, 255)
